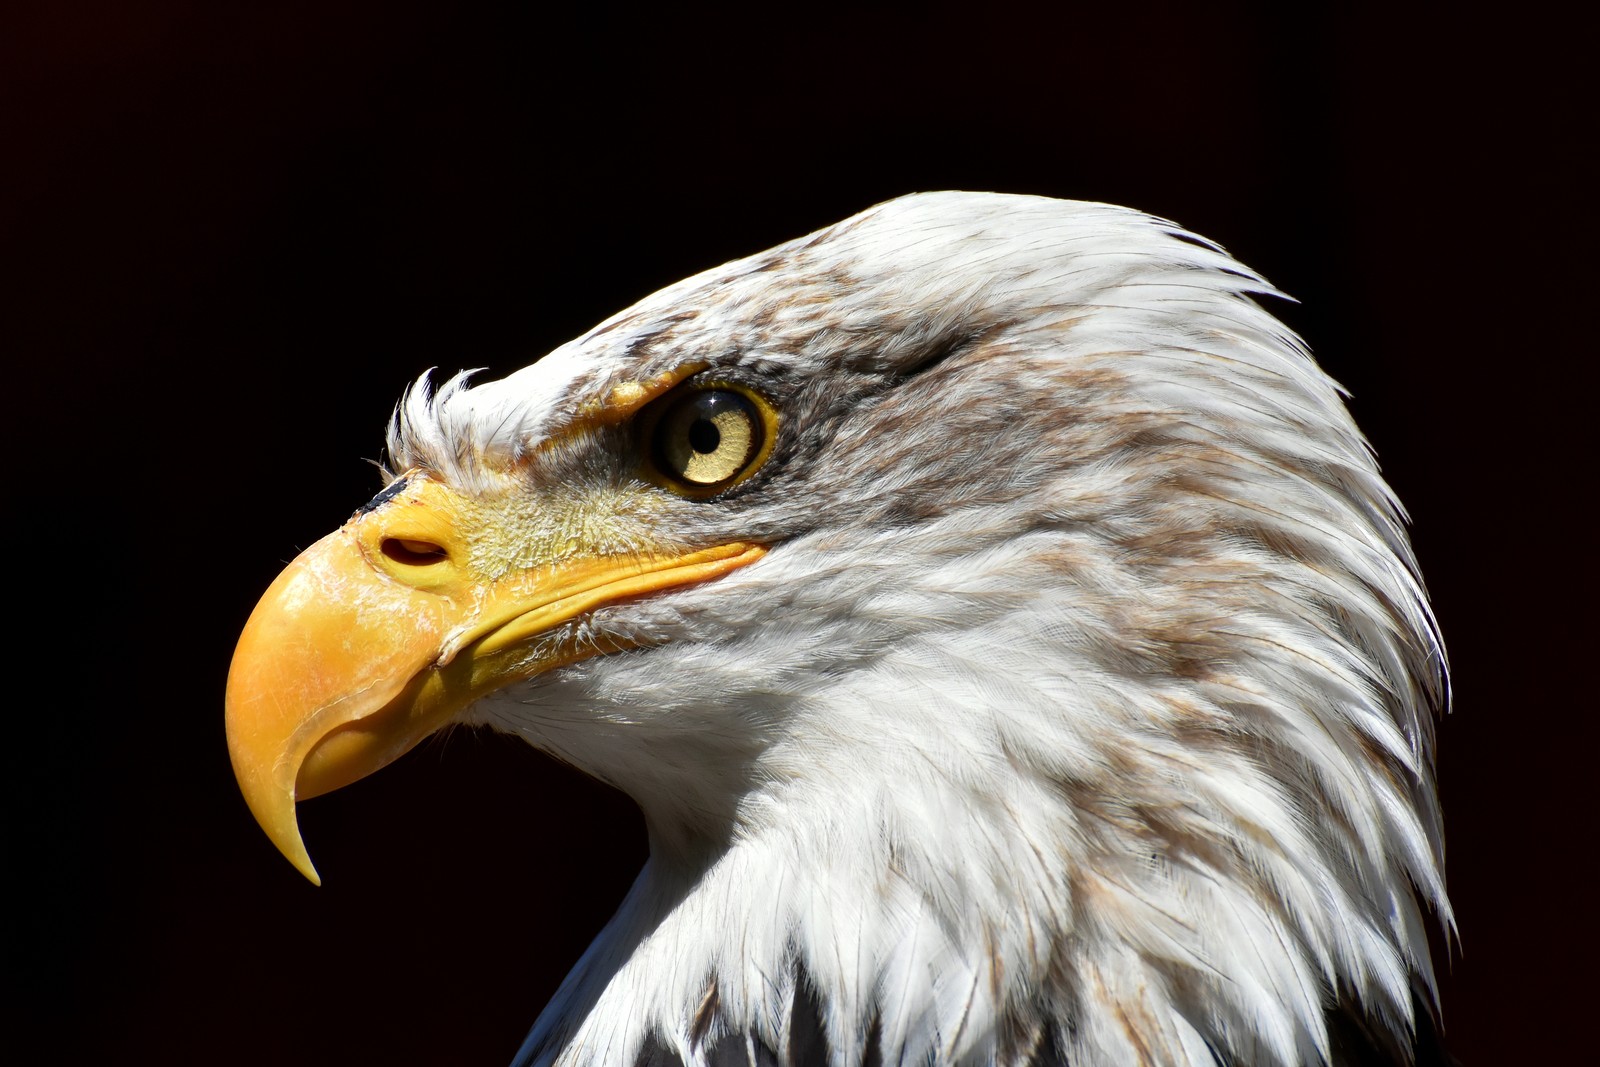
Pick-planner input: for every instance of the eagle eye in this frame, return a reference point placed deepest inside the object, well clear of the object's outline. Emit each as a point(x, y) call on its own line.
point(704, 440)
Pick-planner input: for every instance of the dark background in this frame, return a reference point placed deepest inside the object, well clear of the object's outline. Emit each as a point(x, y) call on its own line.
point(230, 239)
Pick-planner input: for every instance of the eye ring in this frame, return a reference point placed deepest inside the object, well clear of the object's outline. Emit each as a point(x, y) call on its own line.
point(703, 440)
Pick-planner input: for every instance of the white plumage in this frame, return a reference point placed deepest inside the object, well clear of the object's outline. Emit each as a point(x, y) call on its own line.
point(1079, 711)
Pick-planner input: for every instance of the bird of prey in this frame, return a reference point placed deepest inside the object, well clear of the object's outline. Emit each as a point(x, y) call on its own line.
point(996, 614)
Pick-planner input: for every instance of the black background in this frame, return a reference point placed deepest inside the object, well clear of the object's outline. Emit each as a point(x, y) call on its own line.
point(231, 238)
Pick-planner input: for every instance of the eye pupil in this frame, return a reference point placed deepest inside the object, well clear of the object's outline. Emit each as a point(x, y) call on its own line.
point(704, 436)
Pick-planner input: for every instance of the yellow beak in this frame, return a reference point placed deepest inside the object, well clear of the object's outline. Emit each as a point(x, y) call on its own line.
point(384, 631)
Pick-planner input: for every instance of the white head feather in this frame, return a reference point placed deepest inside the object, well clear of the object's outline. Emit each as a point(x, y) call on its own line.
point(1081, 710)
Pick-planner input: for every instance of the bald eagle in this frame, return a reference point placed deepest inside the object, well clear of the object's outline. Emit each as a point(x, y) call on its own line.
point(999, 619)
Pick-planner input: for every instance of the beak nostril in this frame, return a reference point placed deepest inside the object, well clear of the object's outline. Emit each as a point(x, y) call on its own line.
point(413, 553)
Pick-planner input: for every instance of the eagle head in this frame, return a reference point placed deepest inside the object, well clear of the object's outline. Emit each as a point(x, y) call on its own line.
point(1002, 625)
